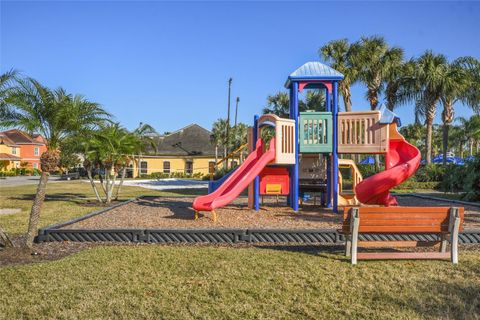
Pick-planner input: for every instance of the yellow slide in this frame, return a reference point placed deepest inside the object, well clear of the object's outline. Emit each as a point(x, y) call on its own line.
point(348, 198)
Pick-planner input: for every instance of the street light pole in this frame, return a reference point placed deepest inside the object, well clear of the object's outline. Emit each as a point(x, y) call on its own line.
point(227, 138)
point(236, 111)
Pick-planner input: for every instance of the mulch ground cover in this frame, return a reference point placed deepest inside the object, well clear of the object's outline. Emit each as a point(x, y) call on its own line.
point(177, 213)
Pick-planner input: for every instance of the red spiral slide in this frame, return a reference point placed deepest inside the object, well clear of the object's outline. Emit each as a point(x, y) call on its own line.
point(403, 159)
point(239, 180)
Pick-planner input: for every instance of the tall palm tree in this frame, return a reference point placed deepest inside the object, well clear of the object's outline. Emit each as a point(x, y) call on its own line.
point(57, 116)
point(337, 53)
point(374, 60)
point(456, 87)
point(394, 80)
point(425, 87)
point(7, 83)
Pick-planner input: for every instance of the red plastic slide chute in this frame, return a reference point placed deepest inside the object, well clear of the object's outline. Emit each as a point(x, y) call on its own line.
point(239, 180)
point(403, 159)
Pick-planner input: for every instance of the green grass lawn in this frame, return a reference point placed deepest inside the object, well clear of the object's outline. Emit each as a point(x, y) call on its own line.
point(64, 201)
point(157, 282)
point(153, 281)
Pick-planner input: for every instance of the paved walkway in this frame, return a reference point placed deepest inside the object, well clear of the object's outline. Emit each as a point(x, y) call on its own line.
point(25, 180)
point(167, 184)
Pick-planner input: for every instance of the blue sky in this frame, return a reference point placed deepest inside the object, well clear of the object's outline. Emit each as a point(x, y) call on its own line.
point(168, 63)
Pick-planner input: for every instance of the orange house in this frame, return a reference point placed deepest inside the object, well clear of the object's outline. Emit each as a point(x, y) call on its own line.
point(30, 147)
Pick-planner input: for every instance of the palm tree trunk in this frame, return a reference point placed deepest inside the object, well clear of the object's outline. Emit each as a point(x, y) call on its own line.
point(446, 128)
point(124, 170)
point(471, 147)
point(428, 140)
point(94, 187)
point(36, 208)
point(346, 94)
point(447, 118)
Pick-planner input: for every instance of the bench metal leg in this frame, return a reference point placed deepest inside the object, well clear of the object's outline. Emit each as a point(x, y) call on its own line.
point(443, 244)
point(354, 225)
point(454, 227)
point(348, 245)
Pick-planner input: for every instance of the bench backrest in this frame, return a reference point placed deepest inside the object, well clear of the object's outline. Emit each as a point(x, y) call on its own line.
point(402, 219)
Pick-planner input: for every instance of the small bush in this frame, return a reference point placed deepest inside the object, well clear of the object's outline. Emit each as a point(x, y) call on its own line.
point(430, 173)
point(368, 170)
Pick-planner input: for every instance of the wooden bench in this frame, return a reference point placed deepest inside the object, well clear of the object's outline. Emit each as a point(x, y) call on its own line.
point(443, 221)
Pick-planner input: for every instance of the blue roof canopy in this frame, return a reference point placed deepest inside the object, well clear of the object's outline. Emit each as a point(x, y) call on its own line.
point(313, 70)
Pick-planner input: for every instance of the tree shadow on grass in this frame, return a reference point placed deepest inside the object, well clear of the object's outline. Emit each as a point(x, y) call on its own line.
point(66, 196)
point(314, 250)
point(454, 299)
point(180, 209)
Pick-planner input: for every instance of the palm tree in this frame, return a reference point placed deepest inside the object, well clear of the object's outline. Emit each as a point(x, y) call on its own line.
point(314, 100)
point(471, 131)
point(111, 149)
point(337, 53)
point(456, 85)
point(146, 133)
point(394, 80)
point(425, 87)
point(278, 104)
point(7, 83)
point(57, 116)
point(374, 60)
point(218, 136)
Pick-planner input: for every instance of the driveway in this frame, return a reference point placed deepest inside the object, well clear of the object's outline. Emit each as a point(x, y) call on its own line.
point(25, 180)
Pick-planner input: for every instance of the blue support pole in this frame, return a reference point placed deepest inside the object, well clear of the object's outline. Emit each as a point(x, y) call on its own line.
point(290, 169)
point(256, 181)
point(295, 115)
point(328, 197)
point(335, 147)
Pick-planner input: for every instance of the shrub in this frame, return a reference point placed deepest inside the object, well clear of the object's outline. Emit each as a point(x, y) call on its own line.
point(430, 173)
point(471, 185)
point(368, 170)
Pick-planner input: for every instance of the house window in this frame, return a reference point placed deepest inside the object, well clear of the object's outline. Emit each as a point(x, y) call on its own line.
point(143, 167)
point(189, 167)
point(14, 150)
point(211, 167)
point(36, 151)
point(35, 165)
point(166, 166)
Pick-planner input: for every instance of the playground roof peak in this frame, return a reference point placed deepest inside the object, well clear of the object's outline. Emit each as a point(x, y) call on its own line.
point(313, 70)
point(388, 116)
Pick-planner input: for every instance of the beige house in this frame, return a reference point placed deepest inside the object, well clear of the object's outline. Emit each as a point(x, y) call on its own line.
point(186, 151)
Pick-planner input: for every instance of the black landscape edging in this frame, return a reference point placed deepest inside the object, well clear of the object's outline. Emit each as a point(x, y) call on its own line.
point(230, 236)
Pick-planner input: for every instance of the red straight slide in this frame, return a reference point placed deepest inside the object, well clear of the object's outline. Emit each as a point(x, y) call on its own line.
point(239, 180)
point(404, 160)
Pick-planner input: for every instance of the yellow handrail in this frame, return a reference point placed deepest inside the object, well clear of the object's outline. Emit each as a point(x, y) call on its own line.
point(230, 155)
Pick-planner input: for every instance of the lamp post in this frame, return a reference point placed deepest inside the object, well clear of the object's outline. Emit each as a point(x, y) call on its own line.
point(227, 137)
point(236, 111)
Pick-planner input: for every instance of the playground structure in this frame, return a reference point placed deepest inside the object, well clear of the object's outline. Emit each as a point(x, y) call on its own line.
point(302, 157)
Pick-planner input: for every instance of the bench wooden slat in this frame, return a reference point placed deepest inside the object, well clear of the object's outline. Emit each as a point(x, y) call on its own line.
point(403, 255)
point(401, 210)
point(403, 216)
point(397, 244)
